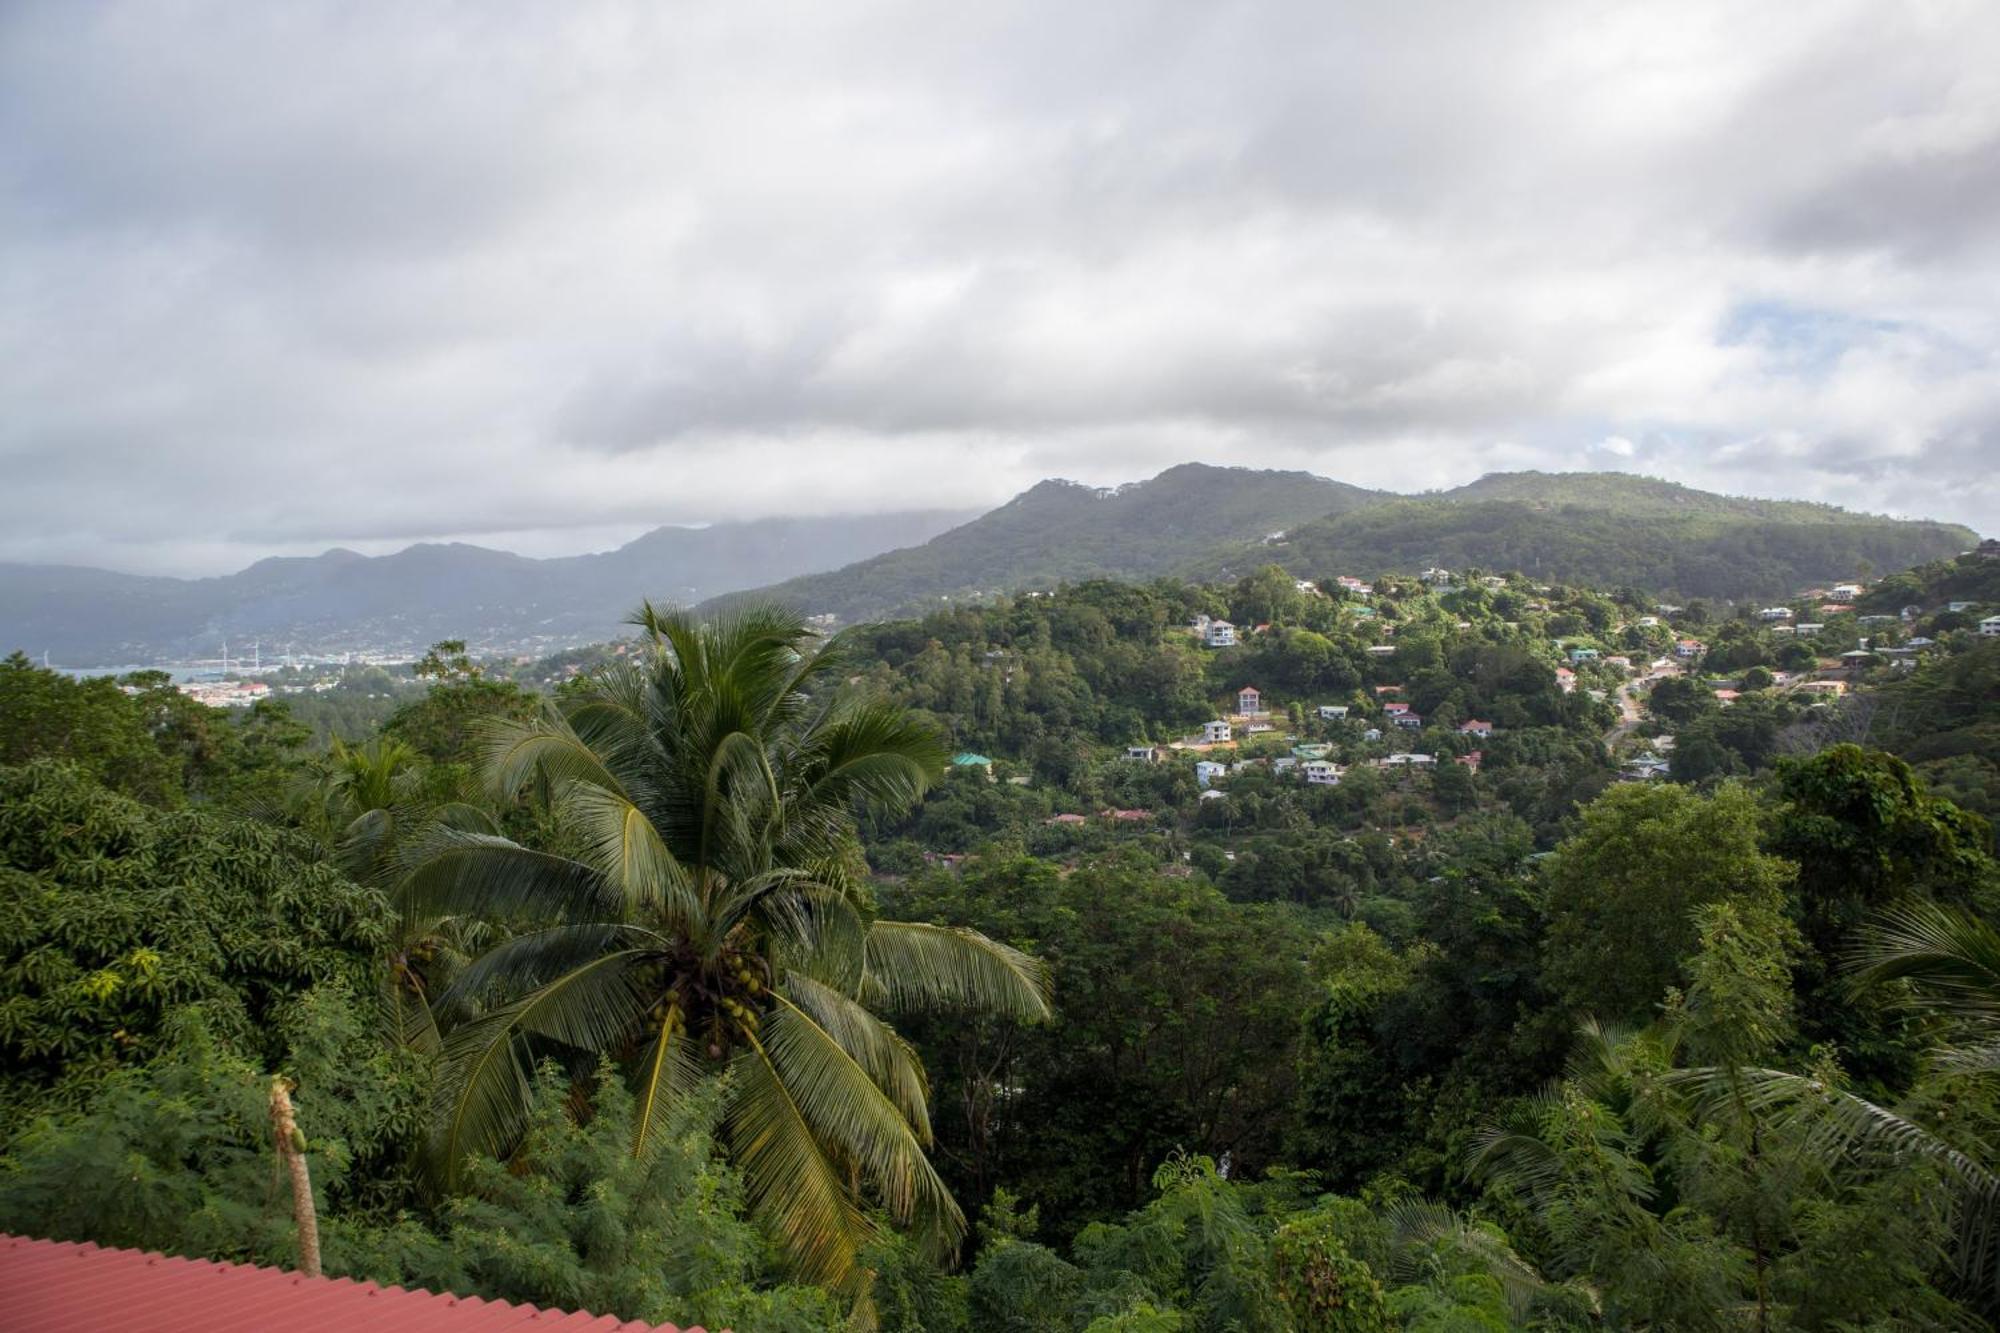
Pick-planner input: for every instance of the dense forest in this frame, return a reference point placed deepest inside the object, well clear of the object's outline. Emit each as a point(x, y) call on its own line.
point(1456, 951)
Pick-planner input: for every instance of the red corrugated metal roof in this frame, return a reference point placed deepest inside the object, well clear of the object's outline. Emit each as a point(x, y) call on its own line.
point(49, 1286)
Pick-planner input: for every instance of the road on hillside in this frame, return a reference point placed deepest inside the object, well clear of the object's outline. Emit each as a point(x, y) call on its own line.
point(1630, 712)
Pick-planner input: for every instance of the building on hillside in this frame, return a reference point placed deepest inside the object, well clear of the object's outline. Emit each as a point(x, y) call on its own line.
point(1219, 634)
point(1990, 627)
point(1395, 706)
point(1407, 761)
point(1381, 650)
point(1284, 763)
point(1067, 819)
point(1332, 712)
point(1846, 590)
point(1583, 654)
point(1312, 750)
point(1372, 734)
point(1956, 607)
point(1621, 661)
point(1207, 771)
point(1321, 772)
point(1214, 733)
point(1809, 626)
point(1566, 680)
point(979, 763)
point(1126, 816)
point(1685, 648)
point(1475, 727)
point(1249, 701)
point(1647, 622)
point(1645, 767)
point(1144, 753)
point(1770, 613)
point(1471, 759)
point(1408, 721)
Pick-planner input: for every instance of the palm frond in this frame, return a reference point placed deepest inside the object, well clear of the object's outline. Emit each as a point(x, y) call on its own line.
point(626, 849)
point(670, 1073)
point(531, 960)
point(488, 1083)
point(916, 965)
point(479, 874)
point(543, 747)
point(890, 1062)
point(1950, 958)
point(849, 1113)
point(793, 1185)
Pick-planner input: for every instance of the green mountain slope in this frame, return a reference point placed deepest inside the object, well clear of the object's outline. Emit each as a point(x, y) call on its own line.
point(1693, 546)
point(1060, 530)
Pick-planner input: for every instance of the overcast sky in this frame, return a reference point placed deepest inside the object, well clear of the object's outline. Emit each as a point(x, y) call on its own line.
point(275, 277)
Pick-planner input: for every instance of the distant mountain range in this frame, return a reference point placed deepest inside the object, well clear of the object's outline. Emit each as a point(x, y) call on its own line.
point(1193, 520)
point(92, 617)
point(1604, 528)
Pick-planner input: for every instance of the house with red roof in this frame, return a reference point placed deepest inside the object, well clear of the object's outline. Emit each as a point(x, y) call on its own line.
point(62, 1286)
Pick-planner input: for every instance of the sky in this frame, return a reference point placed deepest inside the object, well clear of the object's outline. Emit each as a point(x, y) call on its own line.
point(278, 277)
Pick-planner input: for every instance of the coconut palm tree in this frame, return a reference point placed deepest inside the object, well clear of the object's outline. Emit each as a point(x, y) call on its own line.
point(710, 916)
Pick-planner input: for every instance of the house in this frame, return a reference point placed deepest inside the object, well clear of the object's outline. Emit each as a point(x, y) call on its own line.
point(1775, 613)
point(1647, 622)
point(1312, 750)
point(1350, 584)
point(1306, 586)
point(969, 761)
point(1412, 721)
point(1207, 771)
point(1394, 707)
point(1066, 819)
point(1381, 650)
point(1406, 761)
point(1990, 627)
point(1783, 629)
point(1322, 772)
point(1835, 687)
point(47, 1284)
point(1846, 590)
point(1143, 753)
point(1726, 697)
point(1471, 759)
point(1220, 634)
point(1583, 654)
point(1876, 620)
point(1125, 816)
point(1810, 626)
point(1249, 702)
point(1566, 680)
point(1388, 689)
point(1372, 734)
point(1959, 606)
point(1921, 641)
point(1332, 712)
point(1689, 648)
point(1475, 728)
point(1284, 764)
point(1646, 767)
point(1214, 733)
point(1621, 661)
point(1262, 728)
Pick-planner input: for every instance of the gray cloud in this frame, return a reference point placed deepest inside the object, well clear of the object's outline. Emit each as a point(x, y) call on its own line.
point(283, 276)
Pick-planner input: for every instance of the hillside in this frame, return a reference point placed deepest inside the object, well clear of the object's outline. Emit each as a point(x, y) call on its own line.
point(1061, 531)
point(1766, 549)
point(1638, 497)
point(341, 599)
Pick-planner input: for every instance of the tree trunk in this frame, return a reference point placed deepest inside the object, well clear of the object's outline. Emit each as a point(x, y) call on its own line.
point(291, 1151)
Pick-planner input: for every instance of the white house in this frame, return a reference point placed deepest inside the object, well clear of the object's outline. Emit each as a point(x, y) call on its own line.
point(1646, 767)
point(1583, 654)
point(1406, 761)
point(1566, 680)
point(1372, 734)
point(1249, 702)
point(1647, 622)
point(1321, 772)
point(1475, 728)
point(1143, 752)
point(1846, 590)
point(1775, 613)
point(1220, 634)
point(1332, 712)
point(1207, 771)
point(1381, 650)
point(1211, 795)
point(1284, 764)
point(1690, 648)
point(1959, 606)
point(1810, 626)
point(1990, 627)
point(1409, 720)
point(1214, 733)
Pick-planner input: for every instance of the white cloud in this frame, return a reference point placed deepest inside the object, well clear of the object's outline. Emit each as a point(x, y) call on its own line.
point(286, 276)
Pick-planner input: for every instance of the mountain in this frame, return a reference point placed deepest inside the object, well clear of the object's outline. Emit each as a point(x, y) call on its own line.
point(1611, 529)
point(342, 599)
point(1596, 527)
point(1062, 531)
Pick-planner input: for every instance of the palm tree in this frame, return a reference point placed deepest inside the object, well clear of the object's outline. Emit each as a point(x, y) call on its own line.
point(1947, 964)
point(709, 915)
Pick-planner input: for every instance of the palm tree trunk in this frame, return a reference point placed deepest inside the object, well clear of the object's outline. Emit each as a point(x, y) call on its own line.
point(291, 1151)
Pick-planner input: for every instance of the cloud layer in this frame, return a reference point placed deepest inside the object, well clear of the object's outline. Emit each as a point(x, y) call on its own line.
point(279, 277)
